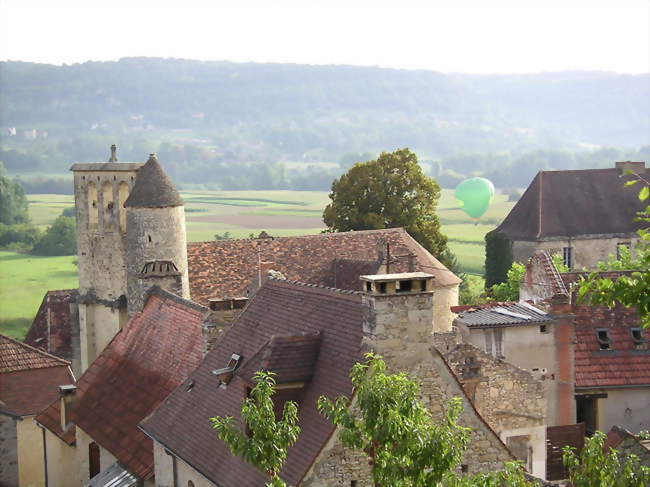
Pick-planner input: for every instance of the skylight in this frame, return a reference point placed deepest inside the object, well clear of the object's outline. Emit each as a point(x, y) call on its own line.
point(504, 311)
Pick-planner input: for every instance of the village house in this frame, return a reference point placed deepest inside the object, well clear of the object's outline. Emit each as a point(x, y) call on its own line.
point(29, 381)
point(611, 352)
point(584, 215)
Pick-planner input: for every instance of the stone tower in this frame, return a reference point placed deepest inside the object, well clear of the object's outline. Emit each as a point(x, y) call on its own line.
point(101, 189)
point(155, 239)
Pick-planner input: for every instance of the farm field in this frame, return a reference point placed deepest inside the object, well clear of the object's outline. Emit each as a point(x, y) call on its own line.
point(24, 279)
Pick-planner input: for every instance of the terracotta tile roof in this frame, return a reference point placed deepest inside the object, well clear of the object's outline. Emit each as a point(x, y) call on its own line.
point(143, 363)
point(279, 308)
point(572, 203)
point(291, 358)
point(16, 356)
point(50, 417)
point(55, 307)
point(622, 364)
point(495, 315)
point(225, 268)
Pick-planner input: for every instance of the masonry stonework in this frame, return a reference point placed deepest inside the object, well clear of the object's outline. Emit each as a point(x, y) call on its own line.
point(8, 451)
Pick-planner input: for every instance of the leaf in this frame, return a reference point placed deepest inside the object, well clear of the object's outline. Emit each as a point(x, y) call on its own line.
point(644, 193)
point(631, 183)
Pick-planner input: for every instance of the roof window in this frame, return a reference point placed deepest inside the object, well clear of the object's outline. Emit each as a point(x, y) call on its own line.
point(605, 342)
point(225, 374)
point(638, 338)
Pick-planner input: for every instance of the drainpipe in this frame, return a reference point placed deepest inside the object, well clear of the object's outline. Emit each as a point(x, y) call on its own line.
point(44, 453)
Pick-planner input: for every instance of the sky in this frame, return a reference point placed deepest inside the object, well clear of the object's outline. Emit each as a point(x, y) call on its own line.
point(508, 36)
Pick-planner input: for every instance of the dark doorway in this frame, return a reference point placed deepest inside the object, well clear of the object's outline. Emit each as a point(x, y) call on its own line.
point(587, 413)
point(93, 459)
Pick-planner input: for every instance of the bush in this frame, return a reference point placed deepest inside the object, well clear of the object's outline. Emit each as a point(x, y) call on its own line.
point(59, 239)
point(22, 236)
point(498, 258)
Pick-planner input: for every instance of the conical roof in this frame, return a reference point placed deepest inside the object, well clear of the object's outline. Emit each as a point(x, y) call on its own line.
point(153, 188)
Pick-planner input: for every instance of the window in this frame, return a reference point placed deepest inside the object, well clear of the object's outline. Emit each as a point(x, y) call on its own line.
point(638, 338)
point(605, 342)
point(567, 257)
point(405, 286)
point(382, 288)
point(622, 248)
point(543, 328)
point(93, 460)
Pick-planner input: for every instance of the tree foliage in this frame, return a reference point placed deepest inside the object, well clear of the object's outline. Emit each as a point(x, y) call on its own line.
point(391, 191)
point(391, 425)
point(593, 467)
point(59, 239)
point(266, 444)
point(633, 289)
point(13, 202)
point(498, 258)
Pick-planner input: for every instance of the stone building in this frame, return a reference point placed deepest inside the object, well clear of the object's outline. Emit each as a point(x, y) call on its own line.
point(584, 215)
point(532, 339)
point(325, 331)
point(611, 353)
point(29, 381)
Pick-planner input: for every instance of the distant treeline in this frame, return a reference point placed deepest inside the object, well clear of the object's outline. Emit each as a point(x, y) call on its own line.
point(192, 166)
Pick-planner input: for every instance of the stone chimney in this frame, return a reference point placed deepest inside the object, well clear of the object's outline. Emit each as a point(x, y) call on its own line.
point(635, 167)
point(67, 396)
point(398, 316)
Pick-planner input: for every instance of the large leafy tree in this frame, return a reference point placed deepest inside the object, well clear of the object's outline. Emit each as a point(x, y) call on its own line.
point(60, 238)
point(633, 289)
point(390, 191)
point(594, 467)
point(267, 440)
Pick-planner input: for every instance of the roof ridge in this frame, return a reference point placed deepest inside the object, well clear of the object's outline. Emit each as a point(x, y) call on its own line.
point(34, 349)
point(163, 293)
point(309, 235)
point(316, 286)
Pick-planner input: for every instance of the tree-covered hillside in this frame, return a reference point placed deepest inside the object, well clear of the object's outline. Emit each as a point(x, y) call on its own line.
point(211, 117)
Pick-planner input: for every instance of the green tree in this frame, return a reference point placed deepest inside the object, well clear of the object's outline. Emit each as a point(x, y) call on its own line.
point(267, 441)
point(391, 191)
point(59, 239)
point(391, 425)
point(632, 290)
point(593, 467)
point(13, 202)
point(509, 290)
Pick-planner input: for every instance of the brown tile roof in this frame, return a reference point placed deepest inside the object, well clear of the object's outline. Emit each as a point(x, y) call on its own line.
point(622, 364)
point(225, 268)
point(30, 391)
point(143, 363)
point(16, 356)
point(55, 307)
point(50, 417)
point(572, 203)
point(279, 308)
point(290, 357)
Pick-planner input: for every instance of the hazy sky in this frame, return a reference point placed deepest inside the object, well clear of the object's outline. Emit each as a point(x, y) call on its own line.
point(516, 36)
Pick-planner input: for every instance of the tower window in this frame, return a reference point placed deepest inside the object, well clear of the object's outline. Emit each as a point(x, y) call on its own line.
point(149, 237)
point(605, 342)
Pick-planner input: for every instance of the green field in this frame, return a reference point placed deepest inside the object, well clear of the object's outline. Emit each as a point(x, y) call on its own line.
point(25, 279)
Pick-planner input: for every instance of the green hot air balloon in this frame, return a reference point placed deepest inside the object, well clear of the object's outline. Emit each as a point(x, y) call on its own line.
point(475, 196)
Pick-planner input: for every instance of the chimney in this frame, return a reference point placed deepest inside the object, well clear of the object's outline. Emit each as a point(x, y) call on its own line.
point(398, 316)
point(635, 167)
point(223, 312)
point(67, 396)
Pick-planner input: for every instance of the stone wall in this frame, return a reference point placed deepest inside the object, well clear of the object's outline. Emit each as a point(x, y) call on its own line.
point(587, 250)
point(338, 466)
point(8, 452)
point(506, 396)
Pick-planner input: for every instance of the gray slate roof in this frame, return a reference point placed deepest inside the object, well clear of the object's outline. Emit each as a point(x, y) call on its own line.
point(577, 202)
point(502, 314)
point(153, 188)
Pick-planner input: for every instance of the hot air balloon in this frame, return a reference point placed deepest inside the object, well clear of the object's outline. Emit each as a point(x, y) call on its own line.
point(474, 196)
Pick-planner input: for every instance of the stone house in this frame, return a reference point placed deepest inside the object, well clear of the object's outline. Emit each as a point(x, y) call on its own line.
point(628, 443)
point(94, 428)
point(29, 381)
point(611, 353)
point(584, 215)
point(311, 336)
point(538, 342)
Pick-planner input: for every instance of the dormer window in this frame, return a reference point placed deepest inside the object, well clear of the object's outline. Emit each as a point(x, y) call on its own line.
point(605, 342)
point(225, 375)
point(638, 338)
